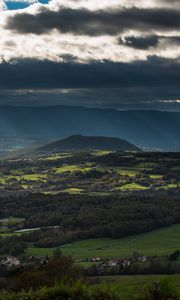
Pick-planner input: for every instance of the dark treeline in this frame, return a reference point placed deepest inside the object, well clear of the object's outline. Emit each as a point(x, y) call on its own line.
point(13, 245)
point(67, 218)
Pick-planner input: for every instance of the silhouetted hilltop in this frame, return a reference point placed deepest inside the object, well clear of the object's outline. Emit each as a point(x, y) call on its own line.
point(84, 143)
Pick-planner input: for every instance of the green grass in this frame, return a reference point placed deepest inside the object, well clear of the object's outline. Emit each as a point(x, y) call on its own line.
point(159, 242)
point(119, 170)
point(8, 234)
point(12, 221)
point(169, 186)
point(146, 165)
point(2, 181)
point(101, 152)
point(73, 191)
point(131, 186)
point(130, 287)
point(71, 169)
point(40, 251)
point(128, 172)
point(156, 176)
point(33, 177)
point(56, 157)
point(52, 192)
point(25, 177)
point(15, 221)
point(25, 186)
point(99, 194)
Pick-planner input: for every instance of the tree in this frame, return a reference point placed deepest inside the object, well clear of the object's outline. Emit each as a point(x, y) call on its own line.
point(57, 253)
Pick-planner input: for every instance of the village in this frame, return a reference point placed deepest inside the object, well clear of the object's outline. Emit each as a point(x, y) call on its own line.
point(9, 263)
point(96, 266)
point(137, 264)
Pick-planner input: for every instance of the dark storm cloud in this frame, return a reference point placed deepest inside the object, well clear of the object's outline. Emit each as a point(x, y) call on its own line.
point(29, 73)
point(146, 42)
point(120, 98)
point(142, 43)
point(83, 21)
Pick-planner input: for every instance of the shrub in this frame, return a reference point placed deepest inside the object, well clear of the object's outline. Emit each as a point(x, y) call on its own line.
point(160, 290)
point(63, 291)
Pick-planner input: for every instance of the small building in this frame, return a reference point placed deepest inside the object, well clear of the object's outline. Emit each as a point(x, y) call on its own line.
point(113, 263)
point(11, 261)
point(143, 258)
point(95, 259)
point(126, 262)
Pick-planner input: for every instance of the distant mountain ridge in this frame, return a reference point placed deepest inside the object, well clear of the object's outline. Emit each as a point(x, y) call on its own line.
point(85, 143)
point(147, 129)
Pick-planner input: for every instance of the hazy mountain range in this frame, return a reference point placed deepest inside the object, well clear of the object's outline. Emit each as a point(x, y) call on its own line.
point(145, 129)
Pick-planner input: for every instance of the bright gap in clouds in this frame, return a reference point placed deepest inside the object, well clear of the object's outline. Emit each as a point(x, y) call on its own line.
point(20, 4)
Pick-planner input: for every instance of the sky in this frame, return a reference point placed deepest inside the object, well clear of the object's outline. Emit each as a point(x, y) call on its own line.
point(121, 54)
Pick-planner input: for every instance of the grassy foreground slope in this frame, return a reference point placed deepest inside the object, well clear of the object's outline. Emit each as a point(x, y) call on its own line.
point(158, 242)
point(131, 287)
point(116, 288)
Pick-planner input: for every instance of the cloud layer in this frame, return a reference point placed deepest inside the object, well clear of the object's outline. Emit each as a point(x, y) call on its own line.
point(92, 44)
point(96, 23)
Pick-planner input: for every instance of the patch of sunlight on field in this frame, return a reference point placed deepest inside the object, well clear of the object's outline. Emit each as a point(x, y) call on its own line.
point(156, 176)
point(9, 234)
point(146, 165)
point(71, 169)
point(121, 171)
point(130, 173)
point(12, 221)
point(25, 186)
point(56, 157)
point(34, 177)
point(170, 186)
point(3, 181)
point(131, 186)
point(101, 152)
point(17, 172)
point(73, 191)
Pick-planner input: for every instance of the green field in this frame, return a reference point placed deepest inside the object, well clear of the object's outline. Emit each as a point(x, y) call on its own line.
point(131, 186)
point(71, 169)
point(9, 234)
point(159, 242)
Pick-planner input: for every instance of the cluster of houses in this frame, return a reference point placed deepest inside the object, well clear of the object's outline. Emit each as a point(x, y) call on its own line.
point(123, 262)
point(10, 262)
point(101, 266)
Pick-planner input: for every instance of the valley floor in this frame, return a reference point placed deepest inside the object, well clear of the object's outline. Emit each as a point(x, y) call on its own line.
point(155, 243)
